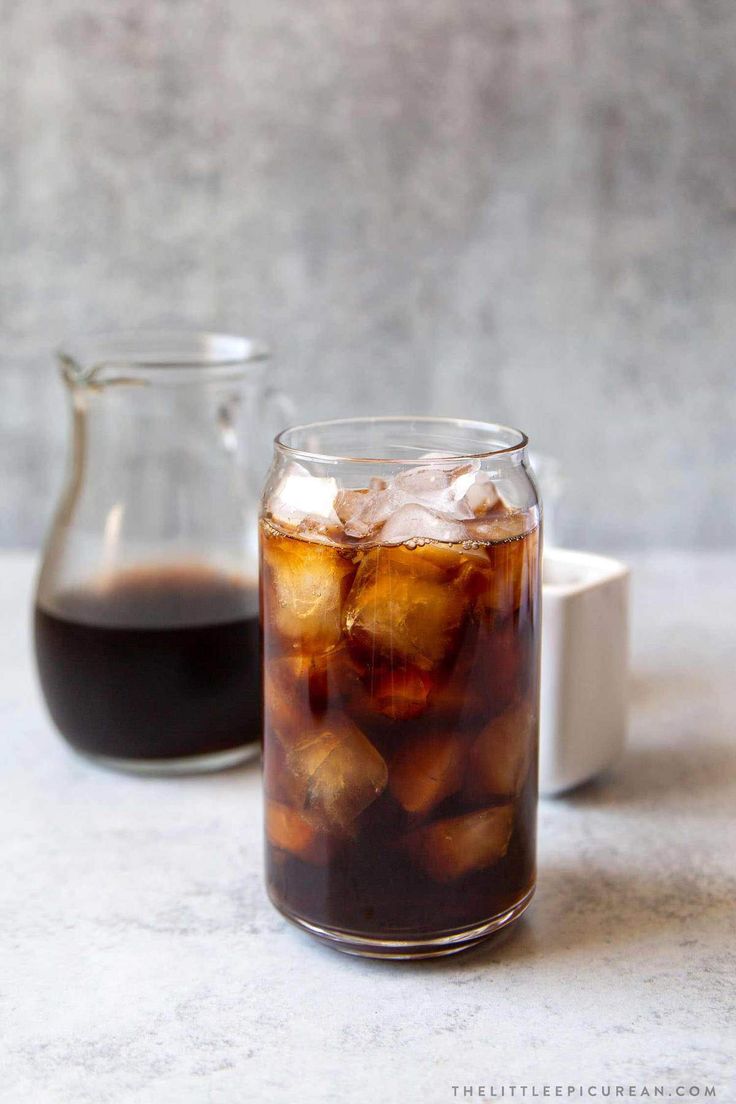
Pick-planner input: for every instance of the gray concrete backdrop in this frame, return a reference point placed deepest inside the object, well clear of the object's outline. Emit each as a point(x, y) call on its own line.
point(523, 210)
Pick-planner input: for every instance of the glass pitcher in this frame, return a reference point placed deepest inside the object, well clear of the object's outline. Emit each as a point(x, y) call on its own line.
point(146, 612)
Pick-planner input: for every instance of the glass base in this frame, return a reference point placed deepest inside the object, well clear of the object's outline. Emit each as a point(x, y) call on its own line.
point(428, 946)
point(191, 764)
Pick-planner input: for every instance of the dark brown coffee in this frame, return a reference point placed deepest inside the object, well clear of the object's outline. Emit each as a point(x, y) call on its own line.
point(400, 761)
point(154, 663)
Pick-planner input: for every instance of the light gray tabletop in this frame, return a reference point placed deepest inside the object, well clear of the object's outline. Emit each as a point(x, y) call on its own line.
point(140, 960)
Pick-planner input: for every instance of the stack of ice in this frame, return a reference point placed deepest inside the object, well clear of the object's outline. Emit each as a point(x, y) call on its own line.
point(432, 502)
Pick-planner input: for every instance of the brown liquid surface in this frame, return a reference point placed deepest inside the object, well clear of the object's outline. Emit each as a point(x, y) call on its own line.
point(400, 732)
point(155, 663)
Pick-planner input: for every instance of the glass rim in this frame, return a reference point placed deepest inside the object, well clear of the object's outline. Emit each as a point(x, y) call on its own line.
point(155, 350)
point(463, 424)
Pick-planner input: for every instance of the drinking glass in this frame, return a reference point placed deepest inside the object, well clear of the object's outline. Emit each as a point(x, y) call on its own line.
point(400, 563)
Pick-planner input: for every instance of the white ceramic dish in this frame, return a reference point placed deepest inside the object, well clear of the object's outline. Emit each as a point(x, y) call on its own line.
point(584, 692)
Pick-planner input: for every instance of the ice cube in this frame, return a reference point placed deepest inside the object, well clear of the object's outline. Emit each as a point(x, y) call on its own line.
point(297, 691)
point(278, 782)
point(305, 585)
point(349, 504)
point(460, 478)
point(431, 480)
point(481, 494)
point(451, 848)
point(426, 769)
point(499, 527)
point(514, 567)
point(451, 560)
point(363, 512)
point(298, 496)
point(350, 678)
point(283, 716)
point(401, 693)
point(501, 754)
point(401, 607)
point(338, 773)
point(413, 521)
point(440, 488)
point(289, 831)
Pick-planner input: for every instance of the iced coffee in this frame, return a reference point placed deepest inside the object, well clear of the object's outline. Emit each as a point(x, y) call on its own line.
point(400, 646)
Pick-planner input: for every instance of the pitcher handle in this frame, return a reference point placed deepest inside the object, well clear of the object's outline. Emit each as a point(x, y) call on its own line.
point(279, 409)
point(276, 411)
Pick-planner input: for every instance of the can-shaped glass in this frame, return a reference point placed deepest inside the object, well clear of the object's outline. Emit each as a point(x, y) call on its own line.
point(400, 588)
